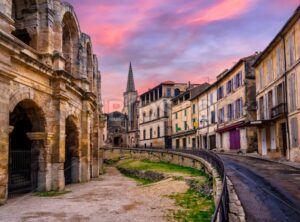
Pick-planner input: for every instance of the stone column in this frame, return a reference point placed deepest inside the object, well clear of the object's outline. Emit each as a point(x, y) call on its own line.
point(85, 142)
point(4, 134)
point(58, 145)
point(43, 159)
point(7, 23)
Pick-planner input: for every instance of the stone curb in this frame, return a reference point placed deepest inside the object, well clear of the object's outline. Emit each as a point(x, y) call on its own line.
point(236, 211)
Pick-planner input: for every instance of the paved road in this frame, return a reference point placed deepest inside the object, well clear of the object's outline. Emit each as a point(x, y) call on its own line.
point(268, 191)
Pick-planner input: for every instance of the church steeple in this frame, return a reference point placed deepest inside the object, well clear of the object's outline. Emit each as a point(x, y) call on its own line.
point(130, 81)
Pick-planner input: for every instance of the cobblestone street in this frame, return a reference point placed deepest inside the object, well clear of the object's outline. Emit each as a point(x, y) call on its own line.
point(268, 191)
point(112, 198)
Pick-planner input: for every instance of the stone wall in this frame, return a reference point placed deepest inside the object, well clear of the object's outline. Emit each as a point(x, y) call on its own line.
point(51, 75)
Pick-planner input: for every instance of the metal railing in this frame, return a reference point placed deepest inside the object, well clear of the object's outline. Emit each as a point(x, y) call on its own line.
point(278, 110)
point(222, 207)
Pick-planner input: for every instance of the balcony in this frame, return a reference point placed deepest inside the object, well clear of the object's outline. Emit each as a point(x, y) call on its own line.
point(278, 110)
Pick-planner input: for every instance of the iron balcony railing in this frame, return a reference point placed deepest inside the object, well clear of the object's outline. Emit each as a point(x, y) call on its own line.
point(222, 207)
point(278, 110)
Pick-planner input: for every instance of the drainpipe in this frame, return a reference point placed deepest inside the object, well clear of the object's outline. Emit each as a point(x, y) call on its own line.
point(286, 102)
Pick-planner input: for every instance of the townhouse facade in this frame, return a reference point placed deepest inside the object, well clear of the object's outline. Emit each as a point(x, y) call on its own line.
point(207, 118)
point(155, 114)
point(236, 107)
point(278, 104)
point(185, 119)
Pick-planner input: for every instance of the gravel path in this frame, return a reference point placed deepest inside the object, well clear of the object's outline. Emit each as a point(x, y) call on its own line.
point(112, 198)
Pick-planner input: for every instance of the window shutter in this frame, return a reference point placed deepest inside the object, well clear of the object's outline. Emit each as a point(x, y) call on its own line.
point(241, 106)
point(241, 78)
point(294, 133)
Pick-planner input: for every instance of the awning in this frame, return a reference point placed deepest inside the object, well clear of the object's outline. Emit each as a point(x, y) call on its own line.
point(231, 127)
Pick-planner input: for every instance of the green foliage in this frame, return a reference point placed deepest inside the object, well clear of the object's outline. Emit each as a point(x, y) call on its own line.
point(51, 193)
point(140, 181)
point(195, 206)
point(163, 167)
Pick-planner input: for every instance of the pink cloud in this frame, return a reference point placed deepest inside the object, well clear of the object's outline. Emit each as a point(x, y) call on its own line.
point(224, 9)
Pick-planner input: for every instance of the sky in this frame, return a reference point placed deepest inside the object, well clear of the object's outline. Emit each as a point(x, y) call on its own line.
point(178, 40)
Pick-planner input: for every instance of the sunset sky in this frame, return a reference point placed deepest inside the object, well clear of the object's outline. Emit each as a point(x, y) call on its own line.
point(179, 40)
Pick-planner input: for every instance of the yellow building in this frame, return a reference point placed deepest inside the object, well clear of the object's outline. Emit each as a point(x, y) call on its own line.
point(278, 79)
point(185, 118)
point(236, 107)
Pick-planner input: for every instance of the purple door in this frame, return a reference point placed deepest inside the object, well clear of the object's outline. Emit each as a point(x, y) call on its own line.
point(235, 140)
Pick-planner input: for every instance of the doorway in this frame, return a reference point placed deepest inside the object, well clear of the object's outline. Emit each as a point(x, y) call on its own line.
point(263, 142)
point(23, 164)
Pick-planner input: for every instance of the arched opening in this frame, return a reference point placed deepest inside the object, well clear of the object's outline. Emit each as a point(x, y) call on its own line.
point(26, 148)
point(89, 65)
point(70, 38)
point(25, 15)
point(71, 165)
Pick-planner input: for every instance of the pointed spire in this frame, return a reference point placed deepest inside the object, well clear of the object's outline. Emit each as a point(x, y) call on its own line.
point(130, 81)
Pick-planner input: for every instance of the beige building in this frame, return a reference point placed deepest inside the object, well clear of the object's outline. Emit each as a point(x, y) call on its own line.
point(236, 107)
point(155, 114)
point(278, 79)
point(185, 118)
point(50, 99)
point(206, 102)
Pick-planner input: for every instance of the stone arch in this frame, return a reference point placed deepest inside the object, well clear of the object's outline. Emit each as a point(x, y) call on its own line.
point(72, 50)
point(27, 151)
point(72, 151)
point(26, 17)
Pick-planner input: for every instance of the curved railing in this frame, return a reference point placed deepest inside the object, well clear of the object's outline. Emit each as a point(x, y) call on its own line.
point(221, 210)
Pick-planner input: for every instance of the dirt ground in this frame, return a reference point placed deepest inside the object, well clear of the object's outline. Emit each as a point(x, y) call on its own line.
point(111, 198)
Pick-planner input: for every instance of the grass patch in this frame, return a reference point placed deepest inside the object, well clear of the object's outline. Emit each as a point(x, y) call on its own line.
point(111, 162)
point(51, 193)
point(162, 167)
point(195, 206)
point(140, 181)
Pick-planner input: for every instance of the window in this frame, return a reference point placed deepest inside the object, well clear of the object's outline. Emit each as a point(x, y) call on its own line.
point(229, 86)
point(237, 80)
point(151, 133)
point(144, 134)
point(291, 49)
point(194, 124)
point(212, 116)
point(221, 115)
point(211, 98)
point(279, 61)
point(185, 112)
point(150, 114)
point(294, 132)
point(270, 70)
point(261, 77)
point(292, 92)
point(230, 112)
point(144, 116)
point(238, 108)
point(168, 92)
point(220, 93)
point(194, 108)
point(184, 142)
point(158, 112)
point(158, 131)
point(185, 125)
point(177, 128)
point(176, 115)
point(176, 92)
